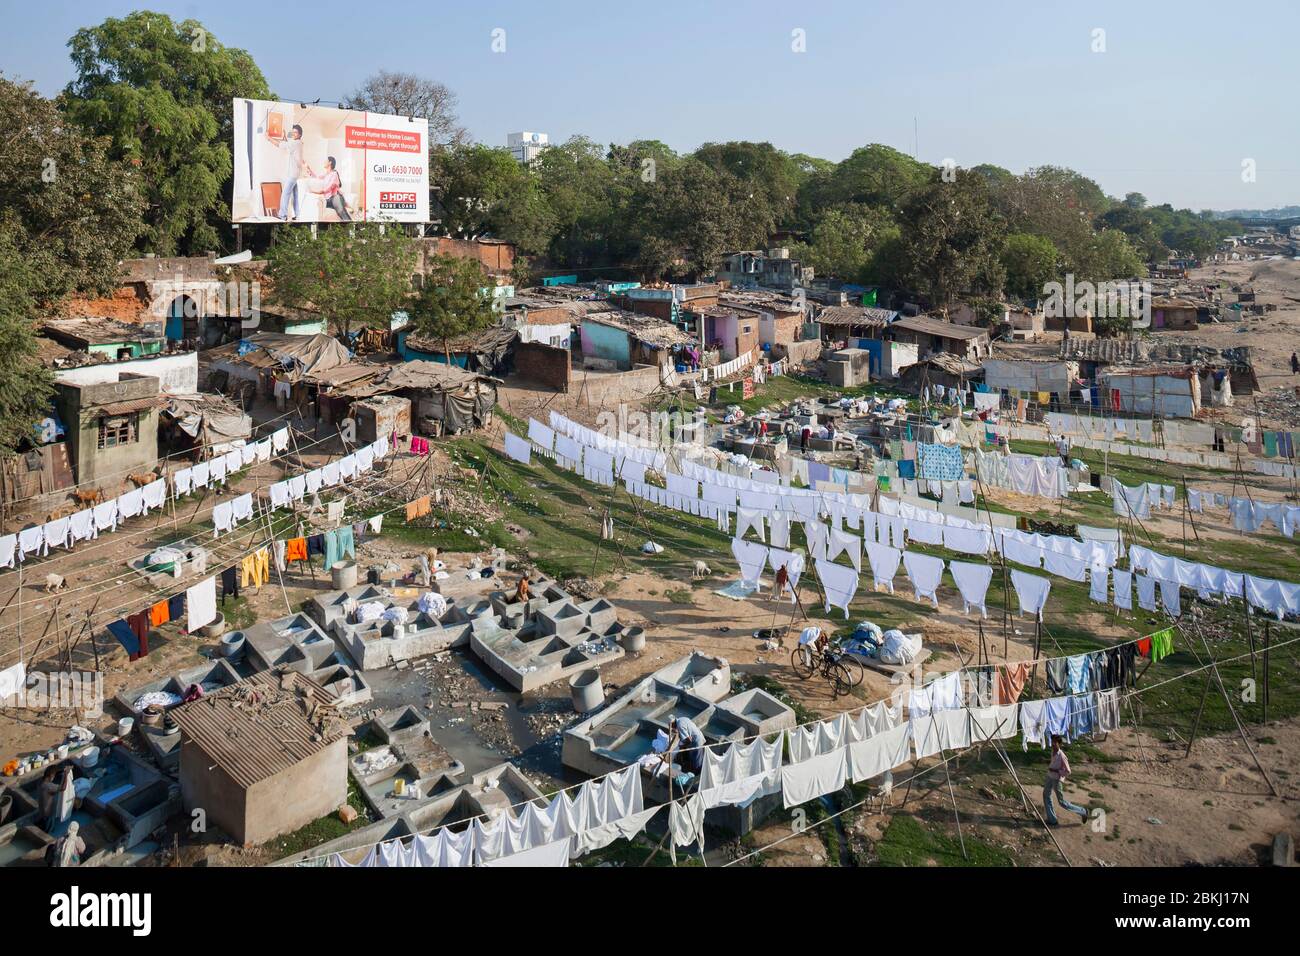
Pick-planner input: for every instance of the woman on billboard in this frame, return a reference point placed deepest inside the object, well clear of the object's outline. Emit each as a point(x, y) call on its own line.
point(330, 186)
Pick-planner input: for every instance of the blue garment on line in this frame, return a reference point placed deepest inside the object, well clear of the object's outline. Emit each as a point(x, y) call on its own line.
point(1083, 709)
point(1077, 669)
point(937, 462)
point(907, 468)
point(125, 636)
point(347, 545)
point(1056, 714)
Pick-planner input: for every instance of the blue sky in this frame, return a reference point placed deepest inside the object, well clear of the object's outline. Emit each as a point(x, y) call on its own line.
point(1183, 93)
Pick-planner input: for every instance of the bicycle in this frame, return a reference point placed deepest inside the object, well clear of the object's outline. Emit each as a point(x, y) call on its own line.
point(831, 666)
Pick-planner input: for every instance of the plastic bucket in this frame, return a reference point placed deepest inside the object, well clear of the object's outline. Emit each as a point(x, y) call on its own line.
point(125, 726)
point(89, 757)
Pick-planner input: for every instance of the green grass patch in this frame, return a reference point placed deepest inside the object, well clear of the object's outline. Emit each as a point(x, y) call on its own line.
point(909, 842)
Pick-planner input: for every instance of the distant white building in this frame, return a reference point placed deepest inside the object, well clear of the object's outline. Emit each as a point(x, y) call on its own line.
point(526, 147)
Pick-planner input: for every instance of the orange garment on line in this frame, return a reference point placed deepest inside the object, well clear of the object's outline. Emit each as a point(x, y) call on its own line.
point(295, 549)
point(159, 615)
point(418, 508)
point(1011, 681)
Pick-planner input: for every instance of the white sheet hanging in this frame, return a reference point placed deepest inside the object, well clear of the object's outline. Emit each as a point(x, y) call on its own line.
point(884, 562)
point(925, 572)
point(747, 518)
point(1032, 591)
point(1064, 566)
point(1123, 589)
point(839, 583)
point(814, 778)
point(751, 557)
point(843, 541)
point(1097, 585)
point(884, 751)
point(973, 583)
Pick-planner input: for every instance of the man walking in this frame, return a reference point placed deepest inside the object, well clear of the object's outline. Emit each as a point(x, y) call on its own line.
point(1057, 771)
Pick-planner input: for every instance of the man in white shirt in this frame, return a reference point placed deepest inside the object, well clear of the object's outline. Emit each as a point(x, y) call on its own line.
point(812, 642)
point(292, 147)
point(687, 740)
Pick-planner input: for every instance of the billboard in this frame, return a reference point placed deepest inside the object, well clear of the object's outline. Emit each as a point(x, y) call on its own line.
point(302, 163)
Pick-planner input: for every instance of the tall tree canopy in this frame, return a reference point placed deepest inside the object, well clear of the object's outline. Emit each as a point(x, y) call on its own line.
point(71, 210)
point(161, 92)
point(953, 237)
point(26, 385)
point(356, 275)
point(486, 192)
point(451, 302)
point(406, 94)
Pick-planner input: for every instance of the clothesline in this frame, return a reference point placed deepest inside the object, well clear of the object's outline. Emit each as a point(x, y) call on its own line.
point(117, 542)
point(111, 614)
point(89, 523)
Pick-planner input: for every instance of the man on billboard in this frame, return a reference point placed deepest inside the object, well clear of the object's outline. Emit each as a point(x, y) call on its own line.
point(292, 146)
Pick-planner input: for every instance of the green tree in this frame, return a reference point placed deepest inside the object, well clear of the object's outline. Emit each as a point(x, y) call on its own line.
point(72, 212)
point(846, 240)
point(451, 302)
point(161, 91)
point(26, 385)
point(873, 175)
point(486, 192)
point(583, 193)
point(951, 240)
point(356, 275)
point(1030, 262)
point(1108, 256)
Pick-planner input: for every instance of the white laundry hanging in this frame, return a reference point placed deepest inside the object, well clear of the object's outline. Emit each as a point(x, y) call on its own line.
point(842, 541)
point(183, 481)
point(1097, 581)
point(1123, 589)
point(154, 494)
point(1064, 566)
point(201, 604)
point(779, 525)
point(884, 562)
point(995, 722)
point(56, 532)
point(747, 518)
point(1169, 598)
point(223, 517)
point(925, 573)
point(839, 583)
point(106, 516)
point(751, 557)
point(814, 778)
point(884, 751)
point(1146, 589)
point(973, 583)
point(967, 540)
point(741, 774)
point(1032, 591)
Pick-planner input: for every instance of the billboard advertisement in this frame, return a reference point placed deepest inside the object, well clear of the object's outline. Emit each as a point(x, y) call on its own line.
point(299, 162)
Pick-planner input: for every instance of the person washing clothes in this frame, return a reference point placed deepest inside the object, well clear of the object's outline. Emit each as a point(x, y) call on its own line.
point(688, 742)
point(1057, 771)
point(521, 592)
point(70, 848)
point(49, 797)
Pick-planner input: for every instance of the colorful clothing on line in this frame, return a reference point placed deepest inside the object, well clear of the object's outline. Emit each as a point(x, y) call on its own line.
point(158, 615)
point(1162, 644)
point(295, 549)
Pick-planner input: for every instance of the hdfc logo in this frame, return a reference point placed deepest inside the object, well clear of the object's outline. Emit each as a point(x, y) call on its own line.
point(397, 200)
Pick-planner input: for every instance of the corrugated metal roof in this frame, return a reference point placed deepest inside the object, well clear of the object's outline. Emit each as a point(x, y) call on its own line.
point(944, 330)
point(259, 727)
point(850, 315)
point(122, 408)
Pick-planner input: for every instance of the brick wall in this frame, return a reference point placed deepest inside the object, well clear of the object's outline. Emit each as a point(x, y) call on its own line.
point(543, 364)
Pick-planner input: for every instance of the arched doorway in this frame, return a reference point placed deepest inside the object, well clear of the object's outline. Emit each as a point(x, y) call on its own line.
point(182, 319)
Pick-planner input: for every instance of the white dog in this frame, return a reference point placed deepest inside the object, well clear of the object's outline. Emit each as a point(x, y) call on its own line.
point(701, 570)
